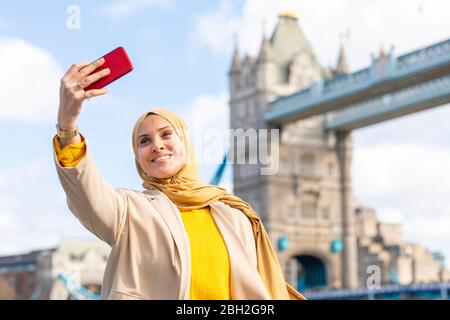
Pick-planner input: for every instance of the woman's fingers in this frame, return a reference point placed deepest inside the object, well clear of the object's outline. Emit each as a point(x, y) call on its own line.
point(87, 70)
point(94, 77)
point(79, 75)
point(73, 70)
point(95, 93)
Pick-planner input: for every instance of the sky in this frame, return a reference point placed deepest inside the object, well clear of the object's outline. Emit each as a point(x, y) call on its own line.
point(181, 51)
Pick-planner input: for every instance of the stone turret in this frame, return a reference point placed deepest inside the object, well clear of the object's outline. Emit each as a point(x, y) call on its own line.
point(342, 65)
point(307, 189)
point(235, 70)
point(266, 65)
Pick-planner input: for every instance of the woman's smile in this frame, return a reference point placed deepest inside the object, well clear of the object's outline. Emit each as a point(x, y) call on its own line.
point(162, 159)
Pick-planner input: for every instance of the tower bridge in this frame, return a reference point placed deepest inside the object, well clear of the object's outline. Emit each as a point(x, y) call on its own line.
point(391, 87)
point(325, 238)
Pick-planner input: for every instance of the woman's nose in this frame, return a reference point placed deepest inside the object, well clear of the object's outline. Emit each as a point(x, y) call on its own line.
point(158, 145)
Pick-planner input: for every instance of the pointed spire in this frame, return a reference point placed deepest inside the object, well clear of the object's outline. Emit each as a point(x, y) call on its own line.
point(265, 52)
point(383, 53)
point(342, 65)
point(287, 42)
point(236, 62)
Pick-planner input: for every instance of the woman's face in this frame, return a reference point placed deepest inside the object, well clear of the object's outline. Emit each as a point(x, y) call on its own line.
point(161, 153)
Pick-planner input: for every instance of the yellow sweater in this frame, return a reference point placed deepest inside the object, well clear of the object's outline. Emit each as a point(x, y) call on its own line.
point(210, 266)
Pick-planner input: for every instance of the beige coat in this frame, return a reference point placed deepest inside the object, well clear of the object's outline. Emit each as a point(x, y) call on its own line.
point(150, 257)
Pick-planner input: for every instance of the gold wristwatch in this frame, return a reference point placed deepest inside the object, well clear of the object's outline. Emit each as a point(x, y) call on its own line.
point(65, 134)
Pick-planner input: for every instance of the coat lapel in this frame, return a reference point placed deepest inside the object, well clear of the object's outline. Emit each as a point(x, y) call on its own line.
point(170, 214)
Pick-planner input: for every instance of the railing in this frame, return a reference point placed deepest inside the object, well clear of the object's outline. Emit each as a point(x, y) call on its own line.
point(343, 82)
point(424, 55)
point(438, 289)
point(389, 102)
point(385, 68)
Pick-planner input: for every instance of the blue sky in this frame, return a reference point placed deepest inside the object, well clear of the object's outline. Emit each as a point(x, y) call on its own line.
point(181, 51)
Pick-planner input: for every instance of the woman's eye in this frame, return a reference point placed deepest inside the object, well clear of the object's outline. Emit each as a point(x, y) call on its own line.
point(143, 140)
point(167, 134)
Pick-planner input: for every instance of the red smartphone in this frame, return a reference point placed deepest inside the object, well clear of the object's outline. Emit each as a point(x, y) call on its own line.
point(119, 65)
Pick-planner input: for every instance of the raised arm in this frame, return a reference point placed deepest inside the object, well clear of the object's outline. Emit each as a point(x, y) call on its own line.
point(100, 208)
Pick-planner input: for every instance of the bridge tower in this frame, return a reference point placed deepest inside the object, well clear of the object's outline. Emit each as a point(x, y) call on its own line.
point(306, 205)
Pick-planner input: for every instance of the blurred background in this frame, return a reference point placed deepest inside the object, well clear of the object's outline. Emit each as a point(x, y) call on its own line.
point(224, 64)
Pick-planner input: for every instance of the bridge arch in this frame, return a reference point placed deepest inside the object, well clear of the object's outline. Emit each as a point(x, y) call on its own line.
point(310, 270)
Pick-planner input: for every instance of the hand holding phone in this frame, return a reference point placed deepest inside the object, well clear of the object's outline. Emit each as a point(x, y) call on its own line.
point(78, 83)
point(119, 65)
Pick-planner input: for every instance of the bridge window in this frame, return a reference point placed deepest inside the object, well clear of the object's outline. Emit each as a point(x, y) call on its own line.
point(308, 210)
point(307, 165)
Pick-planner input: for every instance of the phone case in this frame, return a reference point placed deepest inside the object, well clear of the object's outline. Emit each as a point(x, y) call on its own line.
point(119, 65)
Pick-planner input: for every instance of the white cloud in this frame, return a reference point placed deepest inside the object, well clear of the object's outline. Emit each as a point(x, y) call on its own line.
point(431, 232)
point(371, 23)
point(125, 8)
point(407, 183)
point(9, 227)
point(414, 179)
point(29, 82)
point(209, 111)
point(29, 226)
point(401, 169)
point(216, 30)
point(29, 173)
point(428, 128)
point(207, 120)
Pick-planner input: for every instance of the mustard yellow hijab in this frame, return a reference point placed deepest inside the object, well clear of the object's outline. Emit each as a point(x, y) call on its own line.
point(188, 193)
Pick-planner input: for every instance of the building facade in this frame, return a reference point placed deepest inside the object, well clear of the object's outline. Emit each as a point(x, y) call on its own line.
point(43, 274)
point(307, 205)
point(399, 262)
point(19, 274)
point(307, 202)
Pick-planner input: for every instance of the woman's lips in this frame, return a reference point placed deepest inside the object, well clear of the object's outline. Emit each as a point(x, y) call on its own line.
point(162, 159)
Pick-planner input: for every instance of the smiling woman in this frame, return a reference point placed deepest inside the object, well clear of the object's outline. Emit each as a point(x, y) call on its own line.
point(177, 239)
point(161, 152)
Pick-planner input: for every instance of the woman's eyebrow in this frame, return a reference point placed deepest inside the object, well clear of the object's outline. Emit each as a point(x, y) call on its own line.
point(146, 134)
